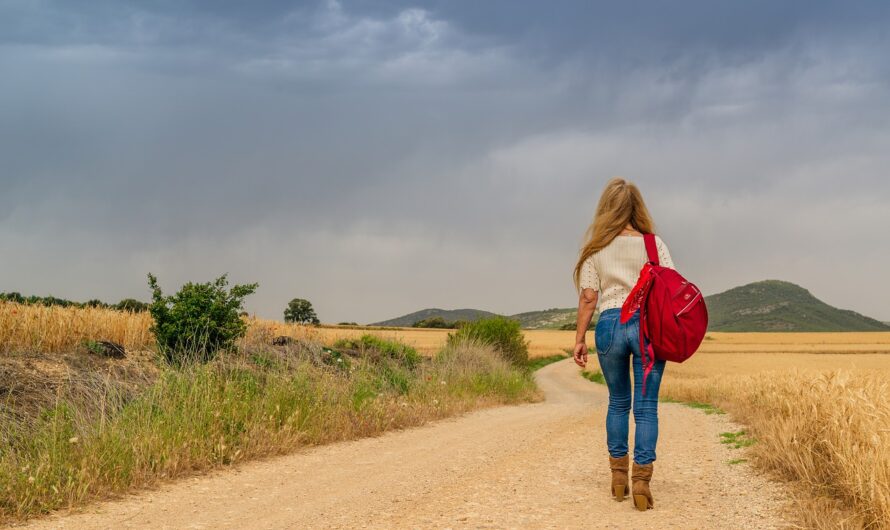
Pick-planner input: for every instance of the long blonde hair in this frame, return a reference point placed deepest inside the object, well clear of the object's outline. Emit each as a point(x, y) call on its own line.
point(620, 204)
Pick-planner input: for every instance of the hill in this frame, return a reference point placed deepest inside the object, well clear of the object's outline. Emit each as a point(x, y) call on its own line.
point(774, 305)
point(770, 305)
point(547, 319)
point(450, 315)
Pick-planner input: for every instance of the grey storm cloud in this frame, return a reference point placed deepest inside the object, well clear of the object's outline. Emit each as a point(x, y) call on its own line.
point(379, 157)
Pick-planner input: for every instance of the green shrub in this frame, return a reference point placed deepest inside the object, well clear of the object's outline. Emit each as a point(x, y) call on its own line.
point(571, 326)
point(434, 322)
point(502, 333)
point(199, 320)
point(387, 348)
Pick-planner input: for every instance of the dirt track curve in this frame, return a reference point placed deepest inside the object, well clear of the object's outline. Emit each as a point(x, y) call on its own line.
point(531, 466)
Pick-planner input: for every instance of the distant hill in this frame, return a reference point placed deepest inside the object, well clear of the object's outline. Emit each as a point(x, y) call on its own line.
point(774, 305)
point(450, 315)
point(546, 319)
point(770, 305)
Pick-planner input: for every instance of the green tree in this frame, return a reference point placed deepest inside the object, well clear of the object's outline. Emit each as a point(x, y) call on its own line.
point(199, 320)
point(300, 311)
point(132, 305)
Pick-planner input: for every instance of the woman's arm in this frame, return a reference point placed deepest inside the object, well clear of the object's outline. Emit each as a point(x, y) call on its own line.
point(586, 307)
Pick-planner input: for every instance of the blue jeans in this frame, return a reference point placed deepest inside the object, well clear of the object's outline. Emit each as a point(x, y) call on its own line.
point(618, 348)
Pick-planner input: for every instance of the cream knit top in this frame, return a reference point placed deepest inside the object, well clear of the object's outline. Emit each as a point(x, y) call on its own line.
point(614, 270)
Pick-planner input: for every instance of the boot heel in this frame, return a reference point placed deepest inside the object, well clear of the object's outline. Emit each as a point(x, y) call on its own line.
point(641, 502)
point(619, 492)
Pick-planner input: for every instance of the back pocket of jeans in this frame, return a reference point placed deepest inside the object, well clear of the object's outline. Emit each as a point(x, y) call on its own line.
point(604, 333)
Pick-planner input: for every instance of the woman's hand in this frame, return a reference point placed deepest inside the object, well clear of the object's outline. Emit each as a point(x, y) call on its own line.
point(580, 354)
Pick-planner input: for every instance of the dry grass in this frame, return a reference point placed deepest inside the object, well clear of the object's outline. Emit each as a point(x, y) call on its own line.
point(96, 439)
point(40, 329)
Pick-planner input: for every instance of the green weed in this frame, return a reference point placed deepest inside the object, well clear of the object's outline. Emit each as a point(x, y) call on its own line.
point(596, 377)
point(737, 440)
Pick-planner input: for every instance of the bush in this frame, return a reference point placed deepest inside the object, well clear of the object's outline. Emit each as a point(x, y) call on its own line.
point(434, 322)
point(571, 326)
point(502, 333)
point(199, 320)
point(387, 348)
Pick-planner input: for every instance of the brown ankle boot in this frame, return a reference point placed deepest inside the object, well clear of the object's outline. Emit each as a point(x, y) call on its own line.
point(640, 489)
point(619, 476)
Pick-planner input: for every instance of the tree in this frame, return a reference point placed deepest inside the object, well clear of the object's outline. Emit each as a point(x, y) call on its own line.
point(132, 305)
point(434, 322)
point(300, 311)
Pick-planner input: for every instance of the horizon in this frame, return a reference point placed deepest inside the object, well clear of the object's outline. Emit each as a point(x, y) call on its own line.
point(376, 157)
point(513, 313)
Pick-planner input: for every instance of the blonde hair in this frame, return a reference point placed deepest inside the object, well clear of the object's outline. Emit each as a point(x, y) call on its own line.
point(620, 204)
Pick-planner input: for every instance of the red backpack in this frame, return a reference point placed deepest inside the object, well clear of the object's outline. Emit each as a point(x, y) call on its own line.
point(673, 316)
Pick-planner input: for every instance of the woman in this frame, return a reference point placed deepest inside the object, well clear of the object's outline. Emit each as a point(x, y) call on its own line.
point(607, 269)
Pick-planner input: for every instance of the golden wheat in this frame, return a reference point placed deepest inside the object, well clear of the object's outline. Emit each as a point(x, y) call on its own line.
point(821, 422)
point(41, 329)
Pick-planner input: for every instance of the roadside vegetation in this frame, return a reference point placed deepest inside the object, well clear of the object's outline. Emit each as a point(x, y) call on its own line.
point(209, 393)
point(594, 376)
point(540, 362)
point(502, 333)
point(828, 434)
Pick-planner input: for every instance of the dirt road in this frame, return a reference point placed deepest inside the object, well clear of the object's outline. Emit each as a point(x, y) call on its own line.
point(531, 466)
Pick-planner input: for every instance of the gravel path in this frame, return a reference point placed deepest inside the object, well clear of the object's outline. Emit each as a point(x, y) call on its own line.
point(531, 466)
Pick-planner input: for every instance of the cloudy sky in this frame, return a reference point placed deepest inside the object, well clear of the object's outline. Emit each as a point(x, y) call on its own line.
point(378, 157)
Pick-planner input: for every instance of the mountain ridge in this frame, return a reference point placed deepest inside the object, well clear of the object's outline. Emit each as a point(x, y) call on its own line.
point(777, 305)
point(768, 305)
point(450, 315)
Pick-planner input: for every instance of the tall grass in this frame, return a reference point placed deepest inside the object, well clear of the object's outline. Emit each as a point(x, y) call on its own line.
point(827, 433)
point(37, 328)
point(240, 406)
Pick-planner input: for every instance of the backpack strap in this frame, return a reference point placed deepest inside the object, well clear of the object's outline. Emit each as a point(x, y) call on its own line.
point(651, 248)
point(646, 350)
